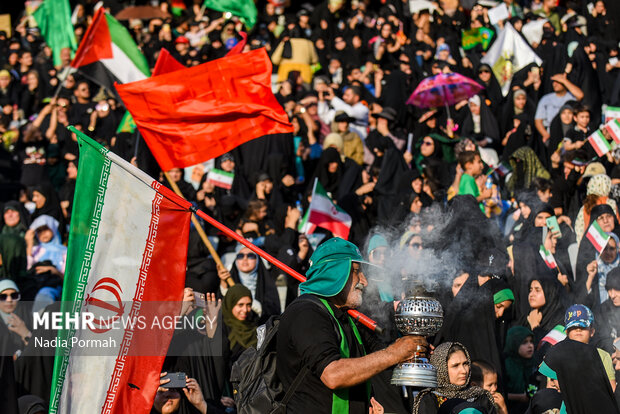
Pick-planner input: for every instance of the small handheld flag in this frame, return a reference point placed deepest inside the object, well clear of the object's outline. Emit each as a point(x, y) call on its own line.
point(599, 143)
point(547, 257)
point(613, 127)
point(221, 178)
point(597, 237)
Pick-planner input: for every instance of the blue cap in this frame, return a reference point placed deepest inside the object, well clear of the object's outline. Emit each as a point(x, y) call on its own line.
point(578, 316)
point(375, 241)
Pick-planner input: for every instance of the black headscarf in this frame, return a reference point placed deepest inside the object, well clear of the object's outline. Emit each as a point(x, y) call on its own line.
point(470, 320)
point(587, 251)
point(24, 219)
point(266, 291)
point(545, 400)
point(51, 206)
point(553, 310)
point(329, 181)
point(583, 382)
point(492, 90)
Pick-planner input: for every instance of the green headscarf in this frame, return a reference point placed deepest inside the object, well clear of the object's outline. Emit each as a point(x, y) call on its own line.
point(518, 369)
point(532, 168)
point(330, 266)
point(14, 258)
point(240, 332)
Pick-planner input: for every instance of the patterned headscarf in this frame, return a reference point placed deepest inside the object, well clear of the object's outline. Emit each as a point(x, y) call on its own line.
point(599, 185)
point(439, 359)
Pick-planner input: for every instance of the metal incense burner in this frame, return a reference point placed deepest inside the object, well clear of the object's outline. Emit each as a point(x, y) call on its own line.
point(418, 314)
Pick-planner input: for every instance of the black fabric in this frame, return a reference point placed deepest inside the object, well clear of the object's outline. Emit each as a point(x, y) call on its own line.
point(556, 302)
point(528, 265)
point(51, 206)
point(545, 400)
point(583, 381)
point(35, 367)
point(307, 337)
point(470, 320)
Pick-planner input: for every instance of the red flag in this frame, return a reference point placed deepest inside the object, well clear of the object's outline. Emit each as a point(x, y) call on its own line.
point(166, 63)
point(199, 113)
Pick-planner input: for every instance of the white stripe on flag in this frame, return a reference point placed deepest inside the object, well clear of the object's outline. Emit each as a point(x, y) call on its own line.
point(120, 253)
point(122, 67)
point(613, 127)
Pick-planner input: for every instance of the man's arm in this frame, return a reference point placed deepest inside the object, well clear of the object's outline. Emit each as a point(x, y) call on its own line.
point(571, 87)
point(348, 372)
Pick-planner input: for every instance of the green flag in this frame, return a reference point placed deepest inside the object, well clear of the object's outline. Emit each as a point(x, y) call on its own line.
point(54, 20)
point(479, 36)
point(245, 9)
point(127, 124)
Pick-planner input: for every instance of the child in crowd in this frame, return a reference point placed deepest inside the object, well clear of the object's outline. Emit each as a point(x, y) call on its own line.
point(472, 165)
point(519, 350)
point(484, 375)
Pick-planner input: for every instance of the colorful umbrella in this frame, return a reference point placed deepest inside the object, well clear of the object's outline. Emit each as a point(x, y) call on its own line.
point(444, 89)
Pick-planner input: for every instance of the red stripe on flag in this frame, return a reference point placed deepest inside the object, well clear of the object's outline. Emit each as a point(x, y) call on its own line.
point(220, 184)
point(597, 246)
point(162, 279)
point(96, 43)
point(338, 228)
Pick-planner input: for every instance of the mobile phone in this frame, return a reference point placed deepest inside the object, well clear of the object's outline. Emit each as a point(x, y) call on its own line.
point(199, 299)
point(552, 223)
point(177, 380)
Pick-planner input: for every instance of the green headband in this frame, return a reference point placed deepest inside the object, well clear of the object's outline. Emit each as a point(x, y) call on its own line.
point(502, 295)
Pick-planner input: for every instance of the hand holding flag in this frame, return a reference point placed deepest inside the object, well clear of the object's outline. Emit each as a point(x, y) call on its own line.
point(599, 143)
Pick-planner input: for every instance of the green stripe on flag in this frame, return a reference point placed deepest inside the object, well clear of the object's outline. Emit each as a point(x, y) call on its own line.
point(222, 172)
point(90, 190)
point(121, 38)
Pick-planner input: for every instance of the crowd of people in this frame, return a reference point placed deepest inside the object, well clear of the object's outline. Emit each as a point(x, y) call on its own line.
point(505, 186)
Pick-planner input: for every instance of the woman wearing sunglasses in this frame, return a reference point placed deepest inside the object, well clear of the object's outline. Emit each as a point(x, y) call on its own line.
point(14, 332)
point(249, 271)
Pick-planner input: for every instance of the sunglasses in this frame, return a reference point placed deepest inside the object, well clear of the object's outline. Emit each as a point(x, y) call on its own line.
point(427, 142)
point(249, 256)
point(484, 71)
point(5, 296)
point(415, 245)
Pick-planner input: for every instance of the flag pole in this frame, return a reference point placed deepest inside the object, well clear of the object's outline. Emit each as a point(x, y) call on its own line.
point(358, 316)
point(200, 230)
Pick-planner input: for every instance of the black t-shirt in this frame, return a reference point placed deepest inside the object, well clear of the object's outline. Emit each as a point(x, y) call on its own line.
point(308, 335)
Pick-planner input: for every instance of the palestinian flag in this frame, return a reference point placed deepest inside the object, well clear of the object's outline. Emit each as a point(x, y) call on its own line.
point(597, 236)
point(126, 262)
point(613, 127)
point(324, 213)
point(612, 112)
point(108, 54)
point(221, 178)
point(599, 143)
point(547, 257)
point(557, 334)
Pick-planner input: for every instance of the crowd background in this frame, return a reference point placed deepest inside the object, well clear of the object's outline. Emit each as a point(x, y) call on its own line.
point(343, 71)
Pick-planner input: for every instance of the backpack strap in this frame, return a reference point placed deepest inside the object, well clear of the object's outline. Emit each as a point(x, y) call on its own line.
point(299, 378)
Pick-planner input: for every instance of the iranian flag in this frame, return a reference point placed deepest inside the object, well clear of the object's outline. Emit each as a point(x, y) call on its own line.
point(557, 334)
point(305, 226)
point(108, 54)
point(127, 250)
point(597, 236)
point(547, 257)
point(613, 127)
point(324, 213)
point(221, 178)
point(599, 143)
point(612, 112)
